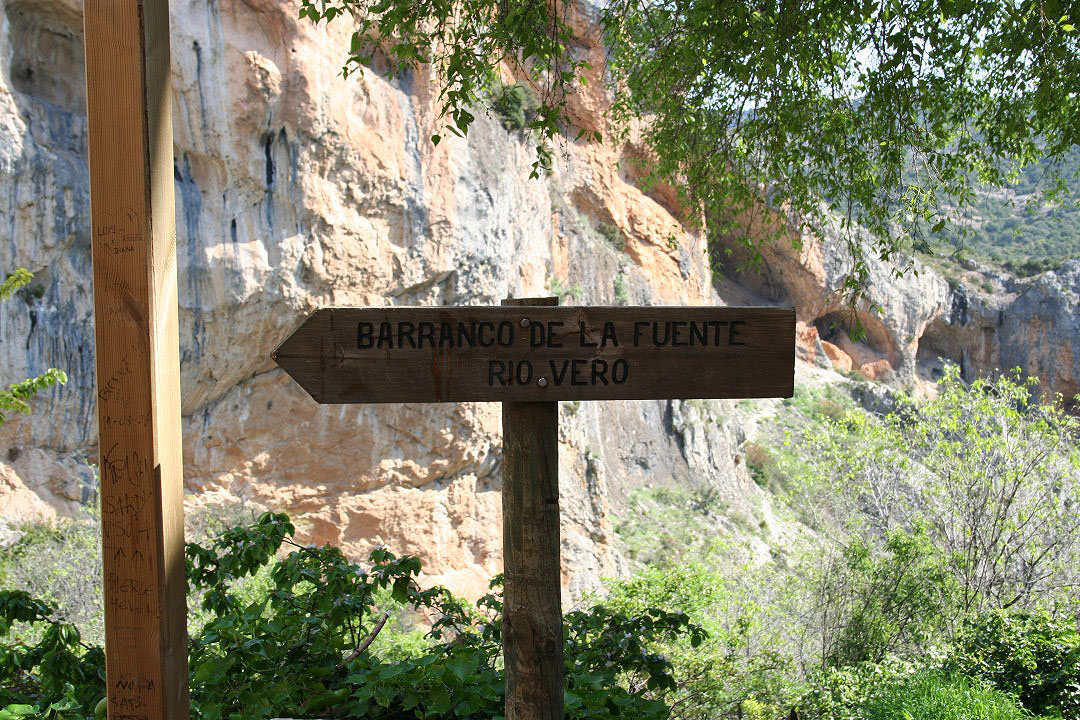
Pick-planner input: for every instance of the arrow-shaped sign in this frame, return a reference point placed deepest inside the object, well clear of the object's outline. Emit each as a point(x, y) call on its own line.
point(516, 354)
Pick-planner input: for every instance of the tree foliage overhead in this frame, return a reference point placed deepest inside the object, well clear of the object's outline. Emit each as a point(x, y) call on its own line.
point(881, 109)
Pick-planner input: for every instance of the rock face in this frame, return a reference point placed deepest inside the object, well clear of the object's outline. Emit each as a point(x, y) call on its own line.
point(1040, 330)
point(916, 319)
point(296, 188)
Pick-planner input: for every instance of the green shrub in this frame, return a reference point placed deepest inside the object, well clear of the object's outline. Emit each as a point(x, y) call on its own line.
point(300, 643)
point(618, 287)
point(1019, 229)
point(514, 105)
point(761, 463)
point(45, 664)
point(1034, 657)
point(746, 666)
point(565, 293)
point(872, 603)
point(60, 563)
point(842, 693)
point(612, 234)
point(989, 471)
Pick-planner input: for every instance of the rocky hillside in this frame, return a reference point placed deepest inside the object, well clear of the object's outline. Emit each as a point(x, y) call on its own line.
point(296, 188)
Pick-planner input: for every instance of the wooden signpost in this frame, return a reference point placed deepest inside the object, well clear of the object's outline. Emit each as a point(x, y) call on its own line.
point(529, 354)
point(138, 358)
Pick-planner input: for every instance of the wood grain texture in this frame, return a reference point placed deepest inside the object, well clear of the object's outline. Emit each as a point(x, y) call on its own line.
point(137, 349)
point(454, 354)
point(532, 591)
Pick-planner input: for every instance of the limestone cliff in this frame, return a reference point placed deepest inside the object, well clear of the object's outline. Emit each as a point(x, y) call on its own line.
point(983, 320)
point(297, 188)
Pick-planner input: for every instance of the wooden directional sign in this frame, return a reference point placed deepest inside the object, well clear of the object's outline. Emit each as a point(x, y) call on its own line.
point(522, 354)
point(528, 354)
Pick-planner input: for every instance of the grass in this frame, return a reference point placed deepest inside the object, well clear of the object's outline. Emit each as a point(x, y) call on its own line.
point(818, 402)
point(572, 291)
point(664, 524)
point(613, 235)
point(931, 695)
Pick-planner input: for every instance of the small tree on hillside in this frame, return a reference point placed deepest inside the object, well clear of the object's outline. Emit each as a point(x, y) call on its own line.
point(988, 472)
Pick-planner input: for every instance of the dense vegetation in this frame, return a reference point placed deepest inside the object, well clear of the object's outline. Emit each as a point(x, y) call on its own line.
point(295, 635)
point(1015, 227)
point(934, 576)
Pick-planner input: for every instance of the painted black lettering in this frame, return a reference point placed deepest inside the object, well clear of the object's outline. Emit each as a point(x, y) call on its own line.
point(523, 372)
point(553, 328)
point(577, 372)
point(657, 341)
point(619, 371)
point(609, 337)
point(405, 332)
point(639, 328)
point(364, 335)
point(536, 334)
point(676, 327)
point(733, 331)
point(582, 342)
point(716, 330)
point(466, 334)
point(426, 331)
point(496, 371)
point(490, 339)
point(555, 371)
point(386, 336)
point(599, 371)
point(699, 334)
point(506, 333)
point(446, 335)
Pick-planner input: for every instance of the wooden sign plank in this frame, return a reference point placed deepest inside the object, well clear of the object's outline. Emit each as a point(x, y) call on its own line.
point(519, 354)
point(137, 349)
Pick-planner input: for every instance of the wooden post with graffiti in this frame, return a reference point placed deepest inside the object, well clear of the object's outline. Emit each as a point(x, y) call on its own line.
point(138, 360)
